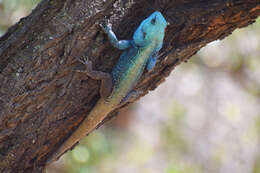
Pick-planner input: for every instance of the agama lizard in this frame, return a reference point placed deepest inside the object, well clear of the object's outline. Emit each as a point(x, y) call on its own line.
point(117, 88)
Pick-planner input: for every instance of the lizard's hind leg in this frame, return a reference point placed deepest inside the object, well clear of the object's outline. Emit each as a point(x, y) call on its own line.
point(131, 97)
point(106, 78)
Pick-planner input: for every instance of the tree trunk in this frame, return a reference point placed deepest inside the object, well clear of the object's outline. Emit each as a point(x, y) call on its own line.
point(42, 97)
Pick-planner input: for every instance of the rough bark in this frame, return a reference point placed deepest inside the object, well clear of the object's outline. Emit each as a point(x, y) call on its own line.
point(42, 97)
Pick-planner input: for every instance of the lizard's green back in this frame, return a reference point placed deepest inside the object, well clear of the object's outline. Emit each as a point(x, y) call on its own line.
point(132, 64)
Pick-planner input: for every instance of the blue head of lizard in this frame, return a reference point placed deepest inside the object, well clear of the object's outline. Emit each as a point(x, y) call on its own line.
point(151, 30)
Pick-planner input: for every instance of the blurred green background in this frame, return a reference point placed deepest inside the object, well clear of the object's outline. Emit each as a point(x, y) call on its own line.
point(204, 119)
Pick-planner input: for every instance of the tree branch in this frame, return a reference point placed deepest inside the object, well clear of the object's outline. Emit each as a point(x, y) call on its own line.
point(42, 97)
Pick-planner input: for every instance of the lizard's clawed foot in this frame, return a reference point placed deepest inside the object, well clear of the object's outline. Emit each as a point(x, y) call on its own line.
point(87, 63)
point(105, 26)
point(106, 78)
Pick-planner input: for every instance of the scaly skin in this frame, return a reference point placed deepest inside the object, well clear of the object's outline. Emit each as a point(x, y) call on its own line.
point(139, 53)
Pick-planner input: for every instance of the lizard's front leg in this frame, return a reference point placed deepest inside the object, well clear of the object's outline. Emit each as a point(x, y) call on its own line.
point(152, 61)
point(120, 44)
point(106, 78)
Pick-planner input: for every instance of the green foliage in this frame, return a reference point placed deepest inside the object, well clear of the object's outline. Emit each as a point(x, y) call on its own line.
point(15, 4)
point(257, 165)
point(12, 10)
point(173, 137)
point(184, 169)
point(88, 154)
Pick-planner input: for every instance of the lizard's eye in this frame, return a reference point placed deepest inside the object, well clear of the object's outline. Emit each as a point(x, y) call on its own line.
point(144, 34)
point(153, 21)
